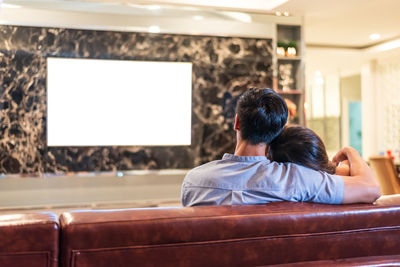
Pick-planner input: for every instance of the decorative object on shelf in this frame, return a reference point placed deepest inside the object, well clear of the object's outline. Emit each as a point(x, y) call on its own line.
point(280, 51)
point(292, 108)
point(288, 49)
point(291, 52)
point(285, 75)
point(282, 44)
point(291, 49)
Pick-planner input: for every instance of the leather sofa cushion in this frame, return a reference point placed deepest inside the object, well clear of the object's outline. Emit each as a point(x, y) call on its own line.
point(29, 240)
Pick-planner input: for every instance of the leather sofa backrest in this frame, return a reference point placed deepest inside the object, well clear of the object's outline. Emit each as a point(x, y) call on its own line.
point(29, 240)
point(372, 261)
point(273, 233)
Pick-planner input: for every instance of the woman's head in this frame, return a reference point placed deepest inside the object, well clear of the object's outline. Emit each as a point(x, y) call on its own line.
point(302, 146)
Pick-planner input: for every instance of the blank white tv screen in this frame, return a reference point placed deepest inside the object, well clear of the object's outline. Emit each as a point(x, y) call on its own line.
point(93, 102)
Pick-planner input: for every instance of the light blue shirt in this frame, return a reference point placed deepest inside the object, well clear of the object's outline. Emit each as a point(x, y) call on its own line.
point(255, 180)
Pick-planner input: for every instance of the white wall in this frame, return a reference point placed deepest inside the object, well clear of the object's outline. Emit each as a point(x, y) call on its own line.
point(382, 83)
point(380, 90)
point(329, 61)
point(324, 70)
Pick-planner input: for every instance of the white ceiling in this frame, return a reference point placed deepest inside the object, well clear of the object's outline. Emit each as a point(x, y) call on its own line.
point(346, 22)
point(343, 23)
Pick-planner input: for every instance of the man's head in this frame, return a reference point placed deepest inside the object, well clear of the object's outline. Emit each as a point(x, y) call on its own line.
point(261, 113)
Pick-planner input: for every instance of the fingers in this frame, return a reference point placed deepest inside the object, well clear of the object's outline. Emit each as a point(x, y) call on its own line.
point(340, 156)
point(345, 162)
point(344, 154)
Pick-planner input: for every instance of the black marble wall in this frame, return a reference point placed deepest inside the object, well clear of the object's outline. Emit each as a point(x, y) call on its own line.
point(223, 68)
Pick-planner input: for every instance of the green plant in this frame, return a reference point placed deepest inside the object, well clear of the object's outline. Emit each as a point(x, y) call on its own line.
point(282, 44)
point(286, 44)
point(292, 44)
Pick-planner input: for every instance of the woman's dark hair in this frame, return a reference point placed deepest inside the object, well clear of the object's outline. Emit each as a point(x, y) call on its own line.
point(300, 145)
point(262, 113)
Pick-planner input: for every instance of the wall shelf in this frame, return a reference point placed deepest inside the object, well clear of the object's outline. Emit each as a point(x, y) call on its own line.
point(289, 58)
point(289, 70)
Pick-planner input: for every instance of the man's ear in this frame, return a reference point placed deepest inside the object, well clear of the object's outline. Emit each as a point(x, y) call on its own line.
point(237, 125)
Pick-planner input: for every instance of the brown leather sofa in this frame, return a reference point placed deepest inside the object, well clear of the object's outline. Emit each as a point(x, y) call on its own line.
point(275, 233)
point(286, 234)
point(29, 240)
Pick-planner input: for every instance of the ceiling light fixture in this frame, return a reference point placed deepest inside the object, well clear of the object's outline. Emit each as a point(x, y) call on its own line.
point(286, 14)
point(154, 29)
point(255, 5)
point(153, 7)
point(374, 36)
point(6, 5)
point(394, 44)
point(198, 17)
point(278, 13)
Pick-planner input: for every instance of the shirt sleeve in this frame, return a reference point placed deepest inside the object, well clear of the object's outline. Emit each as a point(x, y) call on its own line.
point(184, 199)
point(318, 186)
point(204, 196)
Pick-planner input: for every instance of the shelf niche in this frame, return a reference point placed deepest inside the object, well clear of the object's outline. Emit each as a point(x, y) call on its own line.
point(286, 34)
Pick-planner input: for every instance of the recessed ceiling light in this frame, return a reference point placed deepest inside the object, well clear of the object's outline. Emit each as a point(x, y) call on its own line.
point(374, 36)
point(278, 13)
point(5, 5)
point(153, 7)
point(198, 17)
point(385, 46)
point(154, 29)
point(286, 14)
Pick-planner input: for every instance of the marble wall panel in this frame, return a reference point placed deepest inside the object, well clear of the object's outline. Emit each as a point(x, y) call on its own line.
point(223, 67)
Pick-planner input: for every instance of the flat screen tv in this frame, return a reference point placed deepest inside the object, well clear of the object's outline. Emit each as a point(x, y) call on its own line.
point(92, 102)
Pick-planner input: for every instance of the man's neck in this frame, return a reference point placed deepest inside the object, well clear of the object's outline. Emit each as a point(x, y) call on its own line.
point(245, 148)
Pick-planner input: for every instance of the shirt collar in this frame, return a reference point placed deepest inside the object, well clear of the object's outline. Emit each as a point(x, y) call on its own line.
point(232, 157)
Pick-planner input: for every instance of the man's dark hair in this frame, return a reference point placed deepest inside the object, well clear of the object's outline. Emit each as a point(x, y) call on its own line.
point(302, 146)
point(262, 114)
